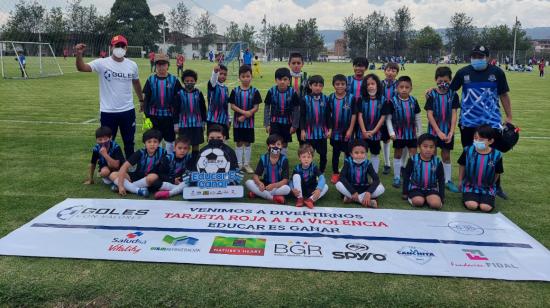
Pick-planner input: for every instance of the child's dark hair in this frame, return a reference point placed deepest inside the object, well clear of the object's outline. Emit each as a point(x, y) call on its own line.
point(282, 72)
point(357, 143)
point(426, 137)
point(274, 138)
point(360, 61)
point(393, 66)
point(182, 139)
point(245, 69)
point(103, 131)
point(405, 79)
point(295, 55)
point(214, 128)
point(339, 77)
point(189, 73)
point(256, 57)
point(306, 148)
point(316, 79)
point(443, 71)
point(223, 67)
point(485, 131)
point(365, 91)
point(152, 134)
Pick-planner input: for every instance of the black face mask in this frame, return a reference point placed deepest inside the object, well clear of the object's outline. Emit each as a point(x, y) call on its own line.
point(189, 86)
point(105, 144)
point(215, 143)
point(275, 150)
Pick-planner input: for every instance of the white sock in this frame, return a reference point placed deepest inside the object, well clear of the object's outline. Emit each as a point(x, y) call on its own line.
point(342, 189)
point(323, 192)
point(447, 171)
point(107, 181)
point(397, 168)
point(167, 186)
point(169, 147)
point(297, 184)
point(247, 154)
point(254, 188)
point(177, 190)
point(284, 151)
point(281, 191)
point(386, 148)
point(141, 183)
point(131, 187)
point(404, 158)
point(379, 191)
point(239, 152)
point(375, 159)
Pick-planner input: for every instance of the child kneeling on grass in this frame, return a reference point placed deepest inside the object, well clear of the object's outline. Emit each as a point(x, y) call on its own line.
point(107, 154)
point(423, 178)
point(173, 169)
point(354, 178)
point(140, 171)
point(273, 168)
point(307, 179)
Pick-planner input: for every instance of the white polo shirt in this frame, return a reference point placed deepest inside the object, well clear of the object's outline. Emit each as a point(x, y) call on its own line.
point(115, 83)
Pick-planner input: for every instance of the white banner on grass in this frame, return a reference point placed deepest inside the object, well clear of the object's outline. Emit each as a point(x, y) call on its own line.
point(244, 234)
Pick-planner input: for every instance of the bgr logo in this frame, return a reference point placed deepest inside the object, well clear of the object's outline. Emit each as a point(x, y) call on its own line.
point(298, 249)
point(358, 251)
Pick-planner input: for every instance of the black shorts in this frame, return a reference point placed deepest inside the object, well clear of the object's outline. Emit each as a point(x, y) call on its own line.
point(136, 176)
point(374, 146)
point(385, 134)
point(447, 146)
point(166, 126)
point(243, 134)
point(282, 130)
point(422, 193)
point(195, 134)
point(404, 143)
point(479, 198)
point(225, 128)
point(467, 137)
point(340, 145)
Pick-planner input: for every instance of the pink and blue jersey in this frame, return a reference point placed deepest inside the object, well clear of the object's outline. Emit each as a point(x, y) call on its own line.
point(389, 89)
point(245, 100)
point(218, 103)
point(146, 164)
point(341, 110)
point(403, 117)
point(160, 95)
point(315, 116)
point(354, 86)
point(425, 175)
point(371, 110)
point(480, 171)
point(281, 104)
point(191, 109)
point(272, 173)
point(442, 106)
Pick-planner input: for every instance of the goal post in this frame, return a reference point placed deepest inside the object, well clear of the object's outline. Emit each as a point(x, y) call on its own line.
point(25, 60)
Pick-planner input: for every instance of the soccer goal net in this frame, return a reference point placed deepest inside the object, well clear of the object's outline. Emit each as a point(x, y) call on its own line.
point(28, 60)
point(233, 56)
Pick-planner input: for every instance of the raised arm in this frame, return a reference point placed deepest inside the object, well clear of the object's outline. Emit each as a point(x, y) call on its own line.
point(80, 65)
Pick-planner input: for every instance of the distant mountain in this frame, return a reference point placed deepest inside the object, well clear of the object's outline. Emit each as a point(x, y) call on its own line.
point(537, 33)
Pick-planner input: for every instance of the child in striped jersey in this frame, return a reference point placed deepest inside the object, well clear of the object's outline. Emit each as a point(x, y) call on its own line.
point(107, 154)
point(442, 105)
point(140, 171)
point(298, 82)
point(173, 168)
point(273, 170)
point(342, 109)
point(404, 125)
point(244, 101)
point(480, 168)
point(160, 93)
point(371, 114)
point(354, 181)
point(307, 179)
point(315, 119)
point(218, 99)
point(389, 85)
point(355, 81)
point(423, 179)
point(190, 111)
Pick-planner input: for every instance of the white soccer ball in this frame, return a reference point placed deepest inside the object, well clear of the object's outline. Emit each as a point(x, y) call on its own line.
point(213, 161)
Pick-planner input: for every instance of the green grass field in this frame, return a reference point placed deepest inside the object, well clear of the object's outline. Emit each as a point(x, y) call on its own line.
point(47, 131)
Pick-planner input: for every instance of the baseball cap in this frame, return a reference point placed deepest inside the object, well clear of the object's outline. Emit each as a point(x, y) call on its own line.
point(161, 57)
point(119, 39)
point(480, 50)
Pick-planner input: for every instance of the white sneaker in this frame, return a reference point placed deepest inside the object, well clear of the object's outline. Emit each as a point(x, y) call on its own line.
point(247, 169)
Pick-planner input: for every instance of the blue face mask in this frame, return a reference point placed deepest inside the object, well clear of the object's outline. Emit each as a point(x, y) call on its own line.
point(479, 145)
point(478, 64)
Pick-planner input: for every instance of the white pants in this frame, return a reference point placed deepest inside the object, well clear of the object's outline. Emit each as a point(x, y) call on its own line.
point(297, 184)
point(281, 191)
point(344, 191)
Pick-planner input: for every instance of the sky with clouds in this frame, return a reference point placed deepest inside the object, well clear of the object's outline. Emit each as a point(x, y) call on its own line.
point(330, 13)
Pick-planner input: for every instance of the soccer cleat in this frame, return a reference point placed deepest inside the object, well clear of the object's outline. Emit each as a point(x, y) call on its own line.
point(248, 169)
point(144, 192)
point(501, 193)
point(163, 194)
point(309, 203)
point(396, 182)
point(251, 195)
point(279, 199)
point(300, 202)
point(114, 187)
point(387, 170)
point(452, 187)
point(335, 178)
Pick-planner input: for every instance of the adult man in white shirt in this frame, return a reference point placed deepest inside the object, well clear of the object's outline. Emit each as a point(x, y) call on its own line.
point(117, 76)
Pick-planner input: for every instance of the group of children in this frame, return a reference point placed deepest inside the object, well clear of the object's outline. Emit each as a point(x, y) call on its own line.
point(362, 115)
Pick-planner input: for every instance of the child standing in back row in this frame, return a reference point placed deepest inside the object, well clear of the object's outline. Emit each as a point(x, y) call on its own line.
point(298, 81)
point(244, 101)
point(218, 100)
point(355, 82)
point(389, 85)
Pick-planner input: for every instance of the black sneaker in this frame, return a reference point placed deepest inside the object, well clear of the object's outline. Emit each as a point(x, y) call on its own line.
point(501, 193)
point(387, 170)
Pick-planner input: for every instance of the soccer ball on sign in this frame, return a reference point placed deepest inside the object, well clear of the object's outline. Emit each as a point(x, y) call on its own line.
point(213, 161)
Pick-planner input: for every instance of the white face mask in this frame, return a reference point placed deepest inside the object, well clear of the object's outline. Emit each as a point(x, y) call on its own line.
point(119, 52)
point(372, 93)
